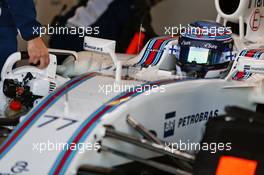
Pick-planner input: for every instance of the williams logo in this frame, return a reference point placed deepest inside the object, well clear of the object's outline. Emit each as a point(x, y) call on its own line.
point(169, 125)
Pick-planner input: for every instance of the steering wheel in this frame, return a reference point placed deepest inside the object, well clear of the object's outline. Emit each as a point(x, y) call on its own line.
point(9, 72)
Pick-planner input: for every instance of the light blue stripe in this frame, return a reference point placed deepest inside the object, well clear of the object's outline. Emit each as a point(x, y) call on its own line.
point(66, 165)
point(56, 164)
point(145, 56)
point(159, 55)
point(79, 130)
point(244, 53)
point(39, 115)
point(145, 52)
point(258, 54)
point(73, 153)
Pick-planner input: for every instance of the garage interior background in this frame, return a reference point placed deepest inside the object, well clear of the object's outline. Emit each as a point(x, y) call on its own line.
point(167, 13)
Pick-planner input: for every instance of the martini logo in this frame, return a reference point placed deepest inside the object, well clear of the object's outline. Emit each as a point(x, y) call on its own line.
point(169, 125)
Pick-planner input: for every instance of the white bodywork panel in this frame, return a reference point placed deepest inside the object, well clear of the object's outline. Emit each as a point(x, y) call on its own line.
point(185, 98)
point(175, 108)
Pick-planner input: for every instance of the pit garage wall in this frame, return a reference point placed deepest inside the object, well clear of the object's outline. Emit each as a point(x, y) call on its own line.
point(175, 12)
point(168, 13)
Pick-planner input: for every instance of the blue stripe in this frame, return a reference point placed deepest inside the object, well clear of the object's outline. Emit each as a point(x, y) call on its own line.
point(79, 130)
point(87, 133)
point(148, 49)
point(247, 76)
point(244, 52)
point(159, 55)
point(145, 56)
point(144, 53)
point(73, 153)
point(258, 54)
point(40, 114)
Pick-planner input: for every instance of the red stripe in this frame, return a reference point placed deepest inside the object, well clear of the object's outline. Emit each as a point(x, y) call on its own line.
point(101, 113)
point(38, 111)
point(251, 53)
point(153, 54)
point(79, 136)
point(76, 140)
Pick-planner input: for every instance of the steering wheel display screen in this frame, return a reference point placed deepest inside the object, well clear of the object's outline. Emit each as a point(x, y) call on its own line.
point(198, 55)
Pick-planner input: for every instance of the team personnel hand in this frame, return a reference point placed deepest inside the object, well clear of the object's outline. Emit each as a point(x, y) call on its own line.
point(38, 53)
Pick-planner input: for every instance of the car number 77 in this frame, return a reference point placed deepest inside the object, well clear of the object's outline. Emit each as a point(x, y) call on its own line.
point(55, 118)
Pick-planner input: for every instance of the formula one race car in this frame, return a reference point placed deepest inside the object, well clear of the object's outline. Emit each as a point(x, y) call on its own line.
point(125, 111)
point(88, 121)
point(199, 42)
point(199, 57)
